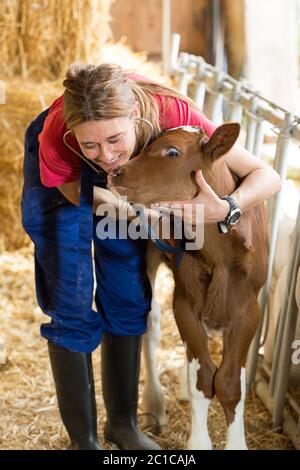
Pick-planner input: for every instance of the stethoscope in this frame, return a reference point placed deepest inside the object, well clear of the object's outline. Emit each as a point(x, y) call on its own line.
point(95, 167)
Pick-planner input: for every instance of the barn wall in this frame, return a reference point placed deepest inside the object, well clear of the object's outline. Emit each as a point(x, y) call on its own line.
point(272, 66)
point(140, 21)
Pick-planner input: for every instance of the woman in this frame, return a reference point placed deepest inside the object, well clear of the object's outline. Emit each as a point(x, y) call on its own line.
point(105, 117)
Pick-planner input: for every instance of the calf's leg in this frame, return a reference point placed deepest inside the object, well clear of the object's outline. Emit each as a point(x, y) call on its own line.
point(153, 395)
point(230, 379)
point(184, 386)
point(201, 370)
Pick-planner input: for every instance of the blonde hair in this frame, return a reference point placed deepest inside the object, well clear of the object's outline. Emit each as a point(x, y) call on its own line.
point(95, 93)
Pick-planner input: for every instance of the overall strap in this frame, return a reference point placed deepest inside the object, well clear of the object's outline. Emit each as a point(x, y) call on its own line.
point(85, 231)
point(154, 237)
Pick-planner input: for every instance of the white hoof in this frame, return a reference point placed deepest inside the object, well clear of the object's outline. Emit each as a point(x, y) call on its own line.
point(236, 446)
point(204, 443)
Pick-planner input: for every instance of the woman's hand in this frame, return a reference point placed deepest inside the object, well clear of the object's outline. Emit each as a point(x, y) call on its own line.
point(215, 209)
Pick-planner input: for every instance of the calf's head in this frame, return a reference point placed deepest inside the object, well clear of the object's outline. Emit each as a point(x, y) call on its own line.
point(166, 169)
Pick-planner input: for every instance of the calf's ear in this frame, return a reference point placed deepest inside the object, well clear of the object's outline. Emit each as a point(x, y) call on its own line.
point(221, 141)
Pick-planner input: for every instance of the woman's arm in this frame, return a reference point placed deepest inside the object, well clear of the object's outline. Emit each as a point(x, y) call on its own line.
point(260, 180)
point(259, 184)
point(71, 191)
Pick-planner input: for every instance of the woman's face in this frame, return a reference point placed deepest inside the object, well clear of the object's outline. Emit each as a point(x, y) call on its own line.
point(108, 143)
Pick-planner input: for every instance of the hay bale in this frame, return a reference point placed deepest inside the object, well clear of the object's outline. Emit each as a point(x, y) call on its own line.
point(2, 351)
point(24, 101)
point(8, 36)
point(39, 38)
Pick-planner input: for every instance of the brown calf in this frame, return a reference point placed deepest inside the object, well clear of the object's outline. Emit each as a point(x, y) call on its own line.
point(216, 287)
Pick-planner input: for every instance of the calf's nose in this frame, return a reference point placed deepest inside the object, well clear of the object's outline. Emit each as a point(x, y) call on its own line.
point(117, 171)
point(111, 177)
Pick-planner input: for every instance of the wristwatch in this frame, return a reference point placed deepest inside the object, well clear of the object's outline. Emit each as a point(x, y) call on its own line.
point(232, 217)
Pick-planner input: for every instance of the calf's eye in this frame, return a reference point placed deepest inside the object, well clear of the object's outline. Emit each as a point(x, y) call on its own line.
point(172, 152)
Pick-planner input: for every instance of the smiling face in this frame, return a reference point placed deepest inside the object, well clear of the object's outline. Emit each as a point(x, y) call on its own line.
point(108, 143)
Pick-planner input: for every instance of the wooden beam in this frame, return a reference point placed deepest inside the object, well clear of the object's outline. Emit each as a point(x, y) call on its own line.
point(233, 15)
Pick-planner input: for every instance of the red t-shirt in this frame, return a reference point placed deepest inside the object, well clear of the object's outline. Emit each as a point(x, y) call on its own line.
point(59, 164)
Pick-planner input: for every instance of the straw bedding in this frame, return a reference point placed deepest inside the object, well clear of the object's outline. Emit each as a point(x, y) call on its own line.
point(29, 416)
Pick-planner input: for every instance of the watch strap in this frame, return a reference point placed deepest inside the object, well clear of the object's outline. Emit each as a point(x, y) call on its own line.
point(224, 226)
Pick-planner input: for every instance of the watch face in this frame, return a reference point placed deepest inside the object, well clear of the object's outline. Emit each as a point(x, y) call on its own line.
point(234, 218)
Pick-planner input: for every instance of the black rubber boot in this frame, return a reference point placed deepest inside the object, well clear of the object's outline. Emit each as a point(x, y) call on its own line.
point(120, 367)
point(73, 377)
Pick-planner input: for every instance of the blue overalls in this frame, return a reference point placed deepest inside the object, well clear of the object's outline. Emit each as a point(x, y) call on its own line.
point(62, 234)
